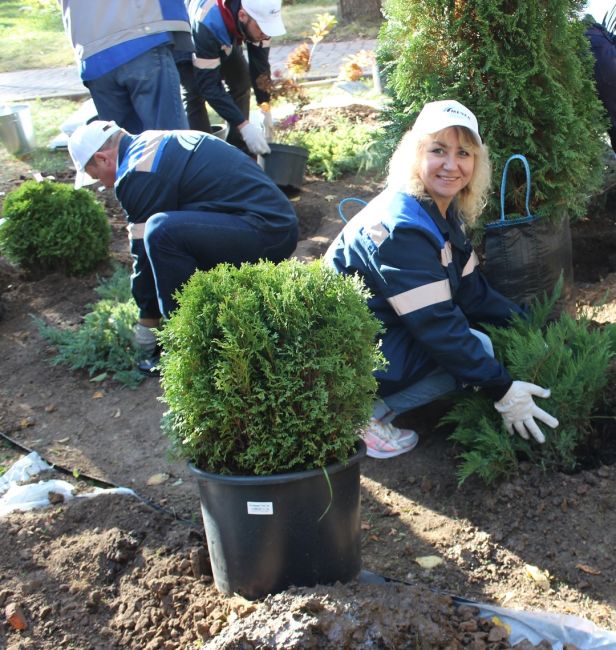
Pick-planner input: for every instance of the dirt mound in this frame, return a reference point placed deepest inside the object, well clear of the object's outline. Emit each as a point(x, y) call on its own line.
point(141, 579)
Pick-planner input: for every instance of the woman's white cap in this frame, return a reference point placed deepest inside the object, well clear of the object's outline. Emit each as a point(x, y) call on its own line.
point(85, 141)
point(436, 116)
point(267, 14)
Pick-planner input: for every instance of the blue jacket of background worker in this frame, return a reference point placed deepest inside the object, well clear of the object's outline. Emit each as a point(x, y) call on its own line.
point(426, 305)
point(168, 171)
point(214, 35)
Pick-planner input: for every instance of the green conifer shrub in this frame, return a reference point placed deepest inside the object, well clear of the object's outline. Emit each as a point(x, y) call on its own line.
point(524, 68)
point(53, 227)
point(570, 357)
point(269, 368)
point(103, 343)
point(341, 148)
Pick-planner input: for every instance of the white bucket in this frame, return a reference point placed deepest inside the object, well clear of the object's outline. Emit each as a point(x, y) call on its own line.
point(16, 130)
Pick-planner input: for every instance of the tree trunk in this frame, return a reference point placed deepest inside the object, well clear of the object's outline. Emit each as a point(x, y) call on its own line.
point(361, 10)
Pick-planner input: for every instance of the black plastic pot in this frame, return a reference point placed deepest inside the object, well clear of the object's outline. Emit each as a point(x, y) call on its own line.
point(286, 164)
point(267, 533)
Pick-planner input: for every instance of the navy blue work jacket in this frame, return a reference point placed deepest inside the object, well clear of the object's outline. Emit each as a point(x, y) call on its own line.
point(427, 290)
point(172, 171)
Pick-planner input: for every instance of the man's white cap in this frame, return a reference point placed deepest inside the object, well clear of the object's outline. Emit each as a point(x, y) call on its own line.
point(436, 116)
point(268, 15)
point(84, 142)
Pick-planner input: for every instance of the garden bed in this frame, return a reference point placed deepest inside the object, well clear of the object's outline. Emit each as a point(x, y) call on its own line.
point(113, 572)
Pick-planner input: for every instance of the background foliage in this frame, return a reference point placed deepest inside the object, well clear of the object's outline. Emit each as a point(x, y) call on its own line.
point(269, 368)
point(53, 227)
point(524, 67)
point(340, 148)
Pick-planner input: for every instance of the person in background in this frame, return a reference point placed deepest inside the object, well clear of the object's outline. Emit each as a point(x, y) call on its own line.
point(192, 201)
point(125, 56)
point(409, 246)
point(194, 103)
point(603, 46)
point(223, 75)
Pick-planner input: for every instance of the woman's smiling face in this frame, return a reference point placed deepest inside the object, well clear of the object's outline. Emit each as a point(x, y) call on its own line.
point(446, 167)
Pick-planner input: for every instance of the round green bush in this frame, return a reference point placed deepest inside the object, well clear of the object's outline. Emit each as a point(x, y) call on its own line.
point(269, 368)
point(53, 227)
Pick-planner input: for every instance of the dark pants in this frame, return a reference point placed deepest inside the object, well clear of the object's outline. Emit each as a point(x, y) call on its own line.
point(194, 103)
point(179, 243)
point(235, 73)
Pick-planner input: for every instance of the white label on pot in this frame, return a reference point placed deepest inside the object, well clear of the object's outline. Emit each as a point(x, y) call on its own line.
point(260, 507)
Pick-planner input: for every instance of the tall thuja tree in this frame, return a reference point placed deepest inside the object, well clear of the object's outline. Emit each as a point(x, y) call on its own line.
point(525, 69)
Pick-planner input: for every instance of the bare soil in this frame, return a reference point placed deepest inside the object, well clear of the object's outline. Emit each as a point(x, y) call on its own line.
point(117, 572)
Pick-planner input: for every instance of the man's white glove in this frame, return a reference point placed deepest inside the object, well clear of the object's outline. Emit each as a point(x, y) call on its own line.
point(268, 125)
point(254, 139)
point(519, 411)
point(144, 338)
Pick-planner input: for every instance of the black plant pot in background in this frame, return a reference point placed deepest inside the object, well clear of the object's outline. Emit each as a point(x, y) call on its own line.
point(267, 533)
point(285, 165)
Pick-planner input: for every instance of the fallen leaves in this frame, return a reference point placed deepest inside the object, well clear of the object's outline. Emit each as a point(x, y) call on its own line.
point(542, 578)
point(429, 561)
point(588, 569)
point(158, 479)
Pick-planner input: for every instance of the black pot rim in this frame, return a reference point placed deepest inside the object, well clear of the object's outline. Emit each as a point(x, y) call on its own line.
point(278, 147)
point(279, 478)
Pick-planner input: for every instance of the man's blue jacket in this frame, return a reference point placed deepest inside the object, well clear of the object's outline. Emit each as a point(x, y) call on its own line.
point(427, 290)
point(215, 34)
point(171, 171)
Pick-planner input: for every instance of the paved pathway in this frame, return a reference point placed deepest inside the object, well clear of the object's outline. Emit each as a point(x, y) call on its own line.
point(25, 85)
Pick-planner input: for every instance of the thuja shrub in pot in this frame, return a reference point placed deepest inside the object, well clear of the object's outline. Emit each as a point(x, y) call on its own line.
point(52, 227)
point(573, 358)
point(268, 376)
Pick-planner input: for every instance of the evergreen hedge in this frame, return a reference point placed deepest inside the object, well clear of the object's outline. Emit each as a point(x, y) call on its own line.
point(53, 227)
point(524, 68)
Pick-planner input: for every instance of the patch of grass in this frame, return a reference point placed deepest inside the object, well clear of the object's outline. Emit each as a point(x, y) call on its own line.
point(47, 115)
point(299, 17)
point(32, 37)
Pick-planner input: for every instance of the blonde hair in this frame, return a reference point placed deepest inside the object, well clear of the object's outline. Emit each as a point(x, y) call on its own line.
point(405, 165)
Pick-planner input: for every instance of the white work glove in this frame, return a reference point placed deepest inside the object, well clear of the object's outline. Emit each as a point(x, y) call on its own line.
point(519, 411)
point(268, 125)
point(144, 338)
point(254, 139)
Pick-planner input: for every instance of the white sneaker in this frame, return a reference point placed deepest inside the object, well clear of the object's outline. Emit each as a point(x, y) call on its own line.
point(387, 441)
